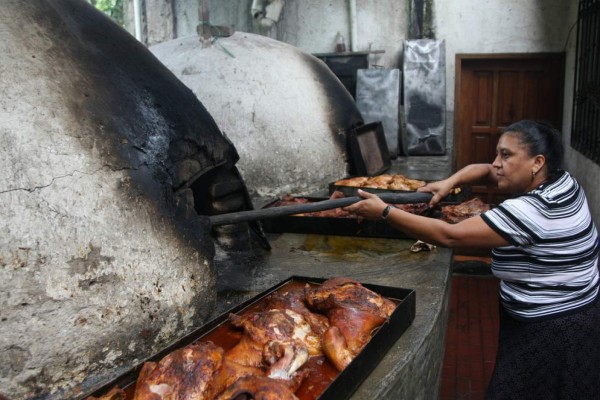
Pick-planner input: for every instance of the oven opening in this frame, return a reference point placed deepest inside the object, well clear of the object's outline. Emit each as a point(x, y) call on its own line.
point(222, 190)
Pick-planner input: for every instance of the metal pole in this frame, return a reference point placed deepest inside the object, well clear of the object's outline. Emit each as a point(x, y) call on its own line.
point(353, 27)
point(137, 19)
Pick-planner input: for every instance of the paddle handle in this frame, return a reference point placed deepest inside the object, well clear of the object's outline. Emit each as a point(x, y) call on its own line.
point(274, 212)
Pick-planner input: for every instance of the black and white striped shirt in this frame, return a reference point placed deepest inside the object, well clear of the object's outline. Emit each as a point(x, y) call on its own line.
point(551, 266)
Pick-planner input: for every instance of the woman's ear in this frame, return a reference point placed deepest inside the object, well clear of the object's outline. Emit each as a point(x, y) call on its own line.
point(539, 162)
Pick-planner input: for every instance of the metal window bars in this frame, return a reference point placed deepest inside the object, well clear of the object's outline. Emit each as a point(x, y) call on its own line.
point(585, 136)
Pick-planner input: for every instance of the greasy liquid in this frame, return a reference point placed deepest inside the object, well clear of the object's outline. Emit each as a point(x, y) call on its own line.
point(322, 373)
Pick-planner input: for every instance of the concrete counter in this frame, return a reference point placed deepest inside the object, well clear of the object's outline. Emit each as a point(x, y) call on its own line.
point(412, 368)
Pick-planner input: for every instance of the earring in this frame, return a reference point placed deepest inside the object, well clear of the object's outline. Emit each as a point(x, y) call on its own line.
point(532, 175)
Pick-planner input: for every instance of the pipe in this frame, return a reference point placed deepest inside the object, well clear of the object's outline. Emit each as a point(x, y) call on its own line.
point(257, 9)
point(272, 13)
point(266, 12)
point(137, 19)
point(353, 26)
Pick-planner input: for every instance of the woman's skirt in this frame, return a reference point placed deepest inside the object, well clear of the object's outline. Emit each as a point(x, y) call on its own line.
point(554, 359)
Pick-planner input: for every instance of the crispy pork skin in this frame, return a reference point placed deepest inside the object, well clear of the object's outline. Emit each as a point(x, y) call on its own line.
point(353, 311)
point(350, 331)
point(186, 373)
point(280, 340)
point(230, 372)
point(295, 300)
point(343, 292)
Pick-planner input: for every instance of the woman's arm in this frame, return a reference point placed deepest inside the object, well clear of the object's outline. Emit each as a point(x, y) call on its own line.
point(471, 174)
point(472, 232)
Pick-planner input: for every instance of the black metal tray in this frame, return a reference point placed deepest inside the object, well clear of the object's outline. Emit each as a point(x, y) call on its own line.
point(367, 149)
point(346, 382)
point(454, 198)
point(353, 190)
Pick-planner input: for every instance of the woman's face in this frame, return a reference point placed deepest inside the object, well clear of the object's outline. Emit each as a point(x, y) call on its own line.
point(514, 165)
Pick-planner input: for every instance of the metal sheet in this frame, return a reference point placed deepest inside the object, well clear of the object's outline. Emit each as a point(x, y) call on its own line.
point(378, 99)
point(367, 150)
point(425, 96)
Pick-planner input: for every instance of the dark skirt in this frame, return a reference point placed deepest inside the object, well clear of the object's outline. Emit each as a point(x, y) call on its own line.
point(554, 359)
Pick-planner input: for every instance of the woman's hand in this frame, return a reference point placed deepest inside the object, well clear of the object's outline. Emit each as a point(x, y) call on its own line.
point(440, 189)
point(369, 208)
point(469, 175)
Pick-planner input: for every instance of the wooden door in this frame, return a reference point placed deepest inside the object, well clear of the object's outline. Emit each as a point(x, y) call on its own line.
point(494, 91)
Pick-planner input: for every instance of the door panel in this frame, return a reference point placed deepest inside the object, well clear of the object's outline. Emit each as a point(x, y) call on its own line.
point(533, 87)
point(480, 149)
point(483, 91)
point(509, 107)
point(493, 92)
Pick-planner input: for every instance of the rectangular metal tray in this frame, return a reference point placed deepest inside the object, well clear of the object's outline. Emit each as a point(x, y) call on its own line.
point(331, 225)
point(346, 382)
point(367, 149)
point(463, 195)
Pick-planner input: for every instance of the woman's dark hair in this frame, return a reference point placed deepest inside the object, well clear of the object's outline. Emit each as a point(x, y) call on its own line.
point(540, 138)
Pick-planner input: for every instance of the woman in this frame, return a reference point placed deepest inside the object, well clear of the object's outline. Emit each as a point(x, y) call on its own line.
point(545, 253)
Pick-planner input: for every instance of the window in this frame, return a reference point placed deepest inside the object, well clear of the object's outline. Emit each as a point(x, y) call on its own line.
point(585, 136)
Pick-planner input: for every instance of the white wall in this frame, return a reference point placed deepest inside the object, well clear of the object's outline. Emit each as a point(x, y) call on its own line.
point(309, 25)
point(312, 26)
point(491, 26)
point(467, 26)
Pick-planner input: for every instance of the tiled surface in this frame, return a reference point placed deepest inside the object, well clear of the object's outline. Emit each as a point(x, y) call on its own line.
point(472, 336)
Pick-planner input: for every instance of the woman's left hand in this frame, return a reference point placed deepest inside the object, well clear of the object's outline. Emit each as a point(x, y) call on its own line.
point(370, 208)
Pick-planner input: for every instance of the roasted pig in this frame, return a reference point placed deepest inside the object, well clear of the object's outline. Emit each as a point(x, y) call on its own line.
point(198, 371)
point(295, 300)
point(354, 312)
point(280, 340)
point(462, 211)
point(343, 292)
point(186, 373)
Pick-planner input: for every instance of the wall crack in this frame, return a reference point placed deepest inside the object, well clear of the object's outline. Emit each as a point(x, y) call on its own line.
point(54, 179)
